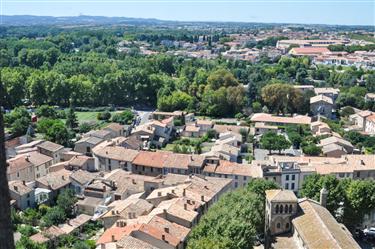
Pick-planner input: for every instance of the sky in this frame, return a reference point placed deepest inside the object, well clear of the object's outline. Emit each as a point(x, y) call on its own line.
point(347, 12)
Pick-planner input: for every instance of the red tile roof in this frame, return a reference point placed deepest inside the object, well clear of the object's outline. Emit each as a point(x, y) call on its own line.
point(151, 159)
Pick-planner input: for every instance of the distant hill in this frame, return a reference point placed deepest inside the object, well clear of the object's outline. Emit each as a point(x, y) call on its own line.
point(29, 20)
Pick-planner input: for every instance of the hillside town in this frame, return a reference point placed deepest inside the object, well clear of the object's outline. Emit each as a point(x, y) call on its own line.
point(192, 136)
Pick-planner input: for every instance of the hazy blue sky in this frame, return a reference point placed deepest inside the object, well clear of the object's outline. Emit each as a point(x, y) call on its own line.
point(293, 11)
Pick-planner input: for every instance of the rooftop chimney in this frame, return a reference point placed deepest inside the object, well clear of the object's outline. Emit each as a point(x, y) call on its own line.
point(184, 192)
point(133, 181)
point(63, 177)
point(323, 197)
point(113, 238)
point(166, 229)
point(202, 197)
point(185, 206)
point(163, 237)
point(24, 183)
point(159, 193)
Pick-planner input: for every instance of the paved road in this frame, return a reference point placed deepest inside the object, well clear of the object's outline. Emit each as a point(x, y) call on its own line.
point(144, 116)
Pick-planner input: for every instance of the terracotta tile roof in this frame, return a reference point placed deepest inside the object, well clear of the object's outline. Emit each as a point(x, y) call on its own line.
point(181, 161)
point(310, 50)
point(18, 163)
point(83, 176)
point(79, 160)
point(129, 242)
point(268, 118)
point(173, 229)
point(229, 128)
point(231, 168)
point(114, 126)
point(371, 118)
point(151, 159)
point(116, 233)
point(192, 128)
point(19, 188)
point(319, 229)
point(322, 98)
point(27, 160)
point(160, 235)
point(204, 122)
point(46, 235)
point(47, 145)
point(323, 90)
point(55, 180)
point(90, 140)
point(279, 195)
point(116, 153)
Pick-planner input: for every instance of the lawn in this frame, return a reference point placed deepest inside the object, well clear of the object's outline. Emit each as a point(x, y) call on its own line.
point(87, 117)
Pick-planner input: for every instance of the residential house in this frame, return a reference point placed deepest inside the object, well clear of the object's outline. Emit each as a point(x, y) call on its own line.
point(321, 105)
point(240, 174)
point(319, 128)
point(204, 125)
point(261, 128)
point(117, 130)
point(150, 163)
point(22, 194)
point(370, 97)
point(191, 130)
point(55, 181)
point(28, 167)
point(279, 120)
point(370, 124)
point(51, 149)
point(330, 92)
point(86, 144)
point(103, 134)
point(308, 51)
point(80, 178)
point(336, 146)
point(358, 119)
point(109, 157)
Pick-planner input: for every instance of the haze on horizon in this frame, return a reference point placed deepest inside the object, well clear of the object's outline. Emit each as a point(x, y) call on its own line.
point(347, 12)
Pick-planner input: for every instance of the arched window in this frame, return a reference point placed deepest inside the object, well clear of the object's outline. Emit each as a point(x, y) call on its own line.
point(290, 208)
point(287, 225)
point(278, 225)
point(286, 208)
point(281, 209)
point(277, 209)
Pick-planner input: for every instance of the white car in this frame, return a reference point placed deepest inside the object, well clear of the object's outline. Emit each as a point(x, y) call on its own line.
point(369, 231)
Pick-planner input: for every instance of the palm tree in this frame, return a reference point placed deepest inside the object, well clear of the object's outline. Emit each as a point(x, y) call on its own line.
point(6, 233)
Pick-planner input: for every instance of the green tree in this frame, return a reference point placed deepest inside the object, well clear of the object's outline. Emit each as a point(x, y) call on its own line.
point(282, 98)
point(46, 111)
point(66, 201)
point(57, 133)
point(221, 78)
point(54, 216)
point(125, 117)
point(272, 141)
point(71, 119)
point(18, 120)
point(312, 150)
point(234, 220)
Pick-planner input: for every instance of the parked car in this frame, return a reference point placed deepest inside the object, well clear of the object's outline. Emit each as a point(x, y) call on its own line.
point(369, 232)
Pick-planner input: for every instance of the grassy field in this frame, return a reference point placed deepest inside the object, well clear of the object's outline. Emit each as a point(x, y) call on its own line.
point(89, 117)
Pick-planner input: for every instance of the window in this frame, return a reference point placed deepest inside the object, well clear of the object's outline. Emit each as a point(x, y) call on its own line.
point(281, 209)
point(235, 184)
point(292, 185)
point(88, 149)
point(109, 161)
point(341, 175)
point(278, 225)
point(287, 225)
point(277, 209)
point(236, 177)
point(287, 177)
point(293, 177)
point(358, 174)
point(244, 178)
point(286, 185)
point(274, 178)
point(290, 208)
